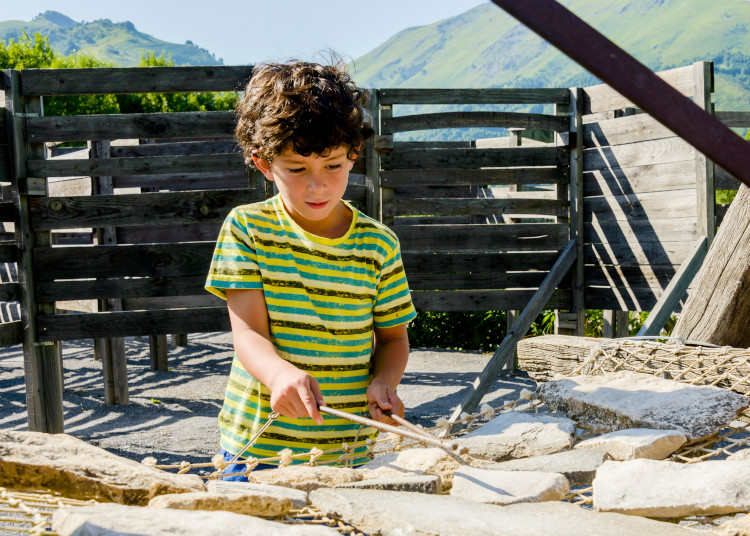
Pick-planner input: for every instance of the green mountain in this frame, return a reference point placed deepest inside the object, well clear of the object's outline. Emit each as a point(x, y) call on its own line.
point(116, 42)
point(485, 47)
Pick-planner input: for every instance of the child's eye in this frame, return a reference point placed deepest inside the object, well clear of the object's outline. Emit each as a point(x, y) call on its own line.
point(296, 170)
point(334, 166)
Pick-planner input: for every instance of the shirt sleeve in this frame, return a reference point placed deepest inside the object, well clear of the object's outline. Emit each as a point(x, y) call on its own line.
point(234, 264)
point(393, 305)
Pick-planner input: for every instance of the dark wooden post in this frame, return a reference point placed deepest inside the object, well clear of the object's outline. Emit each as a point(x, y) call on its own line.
point(42, 360)
point(372, 160)
point(386, 194)
point(704, 168)
point(111, 350)
point(575, 196)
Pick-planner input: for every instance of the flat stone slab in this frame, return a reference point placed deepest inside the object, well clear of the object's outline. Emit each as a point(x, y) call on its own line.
point(636, 443)
point(578, 466)
point(669, 489)
point(121, 520)
point(411, 462)
point(252, 504)
point(305, 477)
point(740, 455)
point(398, 513)
point(508, 487)
point(296, 496)
point(75, 469)
point(733, 527)
point(519, 434)
point(620, 400)
point(416, 483)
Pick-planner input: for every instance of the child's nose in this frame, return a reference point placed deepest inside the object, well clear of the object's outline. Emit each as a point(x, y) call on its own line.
point(317, 181)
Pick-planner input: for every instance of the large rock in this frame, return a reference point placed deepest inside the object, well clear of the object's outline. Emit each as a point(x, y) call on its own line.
point(740, 455)
point(578, 466)
point(417, 483)
point(636, 443)
point(413, 461)
point(733, 527)
point(120, 520)
point(297, 497)
point(251, 504)
point(620, 400)
point(518, 434)
point(668, 489)
point(508, 487)
point(75, 469)
point(398, 513)
point(305, 477)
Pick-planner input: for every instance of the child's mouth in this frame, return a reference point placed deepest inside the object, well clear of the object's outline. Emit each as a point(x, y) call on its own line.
point(317, 205)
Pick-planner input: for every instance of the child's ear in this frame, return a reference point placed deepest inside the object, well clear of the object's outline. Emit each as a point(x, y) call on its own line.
point(263, 166)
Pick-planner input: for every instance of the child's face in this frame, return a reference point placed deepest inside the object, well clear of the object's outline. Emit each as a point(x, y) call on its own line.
point(311, 186)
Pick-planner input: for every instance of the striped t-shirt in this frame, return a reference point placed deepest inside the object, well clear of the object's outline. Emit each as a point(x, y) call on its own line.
point(323, 297)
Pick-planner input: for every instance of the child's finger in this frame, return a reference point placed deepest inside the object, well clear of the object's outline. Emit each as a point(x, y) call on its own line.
point(309, 400)
point(397, 406)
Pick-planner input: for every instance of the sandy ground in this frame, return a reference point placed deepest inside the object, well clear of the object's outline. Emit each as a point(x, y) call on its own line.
point(173, 415)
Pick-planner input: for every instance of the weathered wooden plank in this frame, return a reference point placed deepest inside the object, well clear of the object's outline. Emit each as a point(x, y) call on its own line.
point(11, 333)
point(433, 192)
point(734, 119)
point(477, 177)
point(467, 158)
point(522, 324)
point(725, 181)
point(149, 303)
point(621, 130)
point(427, 121)
point(637, 253)
point(455, 238)
point(675, 291)
point(626, 299)
point(433, 262)
point(39, 82)
point(169, 233)
point(182, 148)
point(602, 98)
point(576, 194)
point(186, 181)
point(472, 281)
point(705, 195)
point(637, 154)
point(127, 323)
point(111, 288)
point(104, 127)
point(546, 356)
point(653, 276)
point(136, 209)
point(150, 165)
point(678, 204)
point(476, 207)
point(483, 300)
point(647, 230)
point(473, 96)
point(143, 260)
point(641, 179)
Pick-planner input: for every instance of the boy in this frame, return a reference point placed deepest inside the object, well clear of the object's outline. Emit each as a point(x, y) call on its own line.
point(316, 292)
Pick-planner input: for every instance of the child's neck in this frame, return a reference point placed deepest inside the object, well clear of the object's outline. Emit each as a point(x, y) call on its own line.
point(334, 226)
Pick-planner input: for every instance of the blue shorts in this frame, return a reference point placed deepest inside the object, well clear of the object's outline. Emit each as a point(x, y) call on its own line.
point(239, 468)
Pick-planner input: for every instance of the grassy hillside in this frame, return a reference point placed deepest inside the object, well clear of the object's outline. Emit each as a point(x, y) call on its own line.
point(118, 43)
point(485, 47)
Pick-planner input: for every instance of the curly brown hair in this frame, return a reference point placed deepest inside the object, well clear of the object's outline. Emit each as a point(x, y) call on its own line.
point(308, 107)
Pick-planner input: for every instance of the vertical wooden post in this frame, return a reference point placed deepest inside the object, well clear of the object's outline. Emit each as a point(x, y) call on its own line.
point(42, 360)
point(111, 350)
point(616, 324)
point(386, 194)
point(511, 317)
point(576, 205)
point(372, 159)
point(704, 171)
point(158, 346)
point(608, 324)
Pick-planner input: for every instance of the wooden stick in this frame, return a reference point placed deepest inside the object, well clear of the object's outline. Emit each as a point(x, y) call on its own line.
point(422, 437)
point(406, 424)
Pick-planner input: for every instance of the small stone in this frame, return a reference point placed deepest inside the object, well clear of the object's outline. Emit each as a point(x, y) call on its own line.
point(413, 461)
point(397, 513)
point(620, 400)
point(654, 488)
point(251, 504)
point(75, 469)
point(518, 434)
point(417, 483)
point(305, 477)
point(119, 520)
point(508, 487)
point(636, 443)
point(298, 497)
point(578, 466)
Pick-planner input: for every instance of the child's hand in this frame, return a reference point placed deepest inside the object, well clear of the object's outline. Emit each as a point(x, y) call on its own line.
point(381, 397)
point(294, 393)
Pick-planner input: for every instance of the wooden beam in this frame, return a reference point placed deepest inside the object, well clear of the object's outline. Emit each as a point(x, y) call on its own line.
point(474, 96)
point(675, 290)
point(505, 351)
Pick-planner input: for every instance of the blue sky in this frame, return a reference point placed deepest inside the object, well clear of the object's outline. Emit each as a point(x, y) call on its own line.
point(250, 31)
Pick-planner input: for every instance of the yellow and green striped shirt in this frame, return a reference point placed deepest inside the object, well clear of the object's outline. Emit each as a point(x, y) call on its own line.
point(324, 296)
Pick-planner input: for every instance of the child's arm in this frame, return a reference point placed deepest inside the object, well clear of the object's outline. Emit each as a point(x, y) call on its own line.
point(389, 363)
point(294, 393)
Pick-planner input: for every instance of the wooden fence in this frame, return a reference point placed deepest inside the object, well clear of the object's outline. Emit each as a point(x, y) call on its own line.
point(134, 237)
